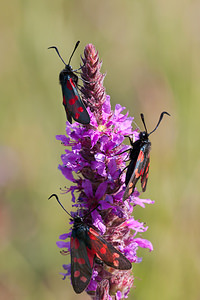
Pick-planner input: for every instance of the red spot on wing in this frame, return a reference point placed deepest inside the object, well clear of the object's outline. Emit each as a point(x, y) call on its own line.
point(103, 249)
point(115, 255)
point(147, 171)
point(145, 177)
point(81, 261)
point(73, 100)
point(116, 263)
point(76, 243)
point(141, 156)
point(80, 109)
point(137, 174)
point(77, 115)
point(144, 183)
point(69, 85)
point(83, 278)
point(130, 189)
point(76, 273)
point(92, 237)
point(72, 83)
point(93, 234)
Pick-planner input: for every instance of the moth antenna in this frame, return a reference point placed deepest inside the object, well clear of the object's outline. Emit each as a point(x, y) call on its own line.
point(142, 117)
point(54, 195)
point(53, 47)
point(77, 43)
point(160, 119)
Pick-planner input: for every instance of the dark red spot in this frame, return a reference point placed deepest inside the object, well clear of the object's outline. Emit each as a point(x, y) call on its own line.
point(80, 109)
point(73, 100)
point(75, 259)
point(115, 255)
point(76, 273)
point(72, 83)
point(81, 261)
point(92, 237)
point(103, 250)
point(77, 115)
point(136, 173)
point(83, 278)
point(93, 232)
point(76, 243)
point(116, 263)
point(69, 85)
point(141, 156)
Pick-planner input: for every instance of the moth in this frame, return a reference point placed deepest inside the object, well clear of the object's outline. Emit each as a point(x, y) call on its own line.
point(73, 104)
point(140, 159)
point(87, 246)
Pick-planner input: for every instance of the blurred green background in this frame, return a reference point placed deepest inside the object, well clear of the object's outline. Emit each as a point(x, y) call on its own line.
point(150, 51)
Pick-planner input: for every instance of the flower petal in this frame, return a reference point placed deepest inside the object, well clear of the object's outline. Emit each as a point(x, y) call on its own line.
point(100, 192)
point(88, 188)
point(61, 244)
point(98, 222)
point(144, 243)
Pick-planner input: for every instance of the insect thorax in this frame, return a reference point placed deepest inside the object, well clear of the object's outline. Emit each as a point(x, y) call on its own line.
point(143, 136)
point(66, 74)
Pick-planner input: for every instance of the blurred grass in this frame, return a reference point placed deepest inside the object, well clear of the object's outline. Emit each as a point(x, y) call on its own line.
point(150, 51)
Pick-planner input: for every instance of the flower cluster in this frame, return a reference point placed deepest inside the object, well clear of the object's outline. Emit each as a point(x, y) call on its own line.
point(94, 164)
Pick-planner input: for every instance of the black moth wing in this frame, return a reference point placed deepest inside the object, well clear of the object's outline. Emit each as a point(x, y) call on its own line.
point(77, 110)
point(107, 253)
point(82, 261)
point(141, 169)
point(134, 152)
point(145, 175)
point(72, 102)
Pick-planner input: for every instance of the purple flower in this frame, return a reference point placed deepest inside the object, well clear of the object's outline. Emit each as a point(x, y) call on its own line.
point(94, 165)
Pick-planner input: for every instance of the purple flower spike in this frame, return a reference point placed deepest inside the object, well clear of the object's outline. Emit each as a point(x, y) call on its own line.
point(94, 165)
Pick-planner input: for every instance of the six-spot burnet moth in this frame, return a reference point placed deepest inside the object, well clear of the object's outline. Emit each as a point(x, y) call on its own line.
point(72, 102)
point(87, 247)
point(140, 159)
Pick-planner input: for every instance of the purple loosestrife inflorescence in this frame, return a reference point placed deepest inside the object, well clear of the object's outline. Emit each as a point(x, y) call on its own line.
point(97, 160)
